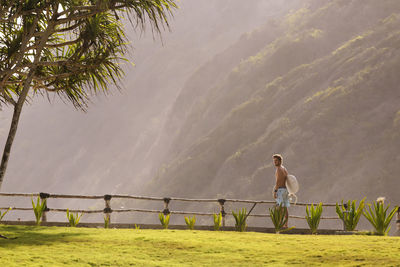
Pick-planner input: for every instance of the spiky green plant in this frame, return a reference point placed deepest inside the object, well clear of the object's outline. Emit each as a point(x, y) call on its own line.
point(38, 209)
point(73, 219)
point(278, 217)
point(190, 222)
point(4, 213)
point(164, 220)
point(106, 222)
point(240, 220)
point(137, 227)
point(313, 216)
point(351, 215)
point(379, 218)
point(217, 221)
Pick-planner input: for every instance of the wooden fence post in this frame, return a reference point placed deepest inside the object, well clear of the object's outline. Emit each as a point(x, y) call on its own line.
point(107, 209)
point(44, 197)
point(222, 210)
point(166, 203)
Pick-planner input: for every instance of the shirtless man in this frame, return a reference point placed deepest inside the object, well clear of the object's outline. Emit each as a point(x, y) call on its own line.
point(281, 194)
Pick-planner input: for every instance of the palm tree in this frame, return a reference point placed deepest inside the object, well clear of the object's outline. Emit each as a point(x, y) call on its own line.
point(68, 47)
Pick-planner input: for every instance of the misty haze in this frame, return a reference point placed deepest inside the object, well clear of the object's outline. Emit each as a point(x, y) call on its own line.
point(210, 100)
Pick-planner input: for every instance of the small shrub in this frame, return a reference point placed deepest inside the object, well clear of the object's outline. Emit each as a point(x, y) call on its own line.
point(351, 216)
point(217, 221)
point(379, 218)
point(137, 227)
point(164, 219)
point(190, 222)
point(313, 216)
point(278, 217)
point(73, 219)
point(38, 209)
point(240, 220)
point(106, 222)
point(4, 213)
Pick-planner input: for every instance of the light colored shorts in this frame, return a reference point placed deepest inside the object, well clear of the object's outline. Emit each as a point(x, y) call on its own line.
point(282, 197)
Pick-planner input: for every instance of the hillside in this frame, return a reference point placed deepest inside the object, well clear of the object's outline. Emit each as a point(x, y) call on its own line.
point(322, 90)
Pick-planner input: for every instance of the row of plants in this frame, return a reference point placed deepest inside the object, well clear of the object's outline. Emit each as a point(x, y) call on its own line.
point(377, 214)
point(39, 207)
point(240, 220)
point(190, 221)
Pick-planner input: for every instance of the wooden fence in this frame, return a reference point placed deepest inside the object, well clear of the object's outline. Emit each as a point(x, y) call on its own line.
point(166, 201)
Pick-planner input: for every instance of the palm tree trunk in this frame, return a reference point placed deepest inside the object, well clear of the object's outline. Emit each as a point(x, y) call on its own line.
point(22, 98)
point(13, 128)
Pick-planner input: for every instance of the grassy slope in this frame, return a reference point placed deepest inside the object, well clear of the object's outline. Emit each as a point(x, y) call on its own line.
point(41, 246)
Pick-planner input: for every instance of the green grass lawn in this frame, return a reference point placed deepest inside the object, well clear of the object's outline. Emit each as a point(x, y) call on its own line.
point(58, 246)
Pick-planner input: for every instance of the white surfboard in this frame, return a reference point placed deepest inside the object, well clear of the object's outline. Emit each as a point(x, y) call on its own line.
point(292, 186)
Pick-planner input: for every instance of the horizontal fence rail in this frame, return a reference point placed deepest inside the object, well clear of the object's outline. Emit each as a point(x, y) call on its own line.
point(160, 211)
point(154, 198)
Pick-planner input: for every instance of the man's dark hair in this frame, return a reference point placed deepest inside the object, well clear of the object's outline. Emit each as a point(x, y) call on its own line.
point(277, 156)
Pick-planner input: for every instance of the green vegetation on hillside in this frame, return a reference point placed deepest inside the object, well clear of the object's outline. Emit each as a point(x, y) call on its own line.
point(51, 246)
point(324, 93)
